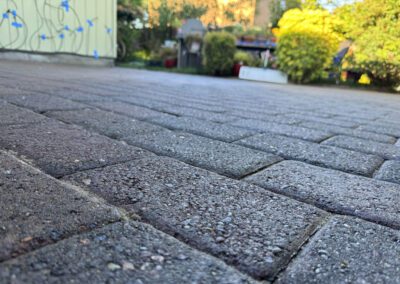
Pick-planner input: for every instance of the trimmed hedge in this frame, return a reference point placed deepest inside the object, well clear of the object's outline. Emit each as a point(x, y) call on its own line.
point(303, 56)
point(218, 53)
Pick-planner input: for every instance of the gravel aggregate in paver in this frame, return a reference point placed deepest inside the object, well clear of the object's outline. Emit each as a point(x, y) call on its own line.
point(119, 253)
point(313, 153)
point(388, 130)
point(350, 132)
point(370, 147)
point(283, 129)
point(106, 123)
point(124, 108)
point(36, 210)
point(201, 114)
point(208, 129)
point(61, 149)
point(247, 226)
point(224, 158)
point(10, 114)
point(42, 102)
point(342, 193)
point(390, 171)
point(330, 121)
point(348, 250)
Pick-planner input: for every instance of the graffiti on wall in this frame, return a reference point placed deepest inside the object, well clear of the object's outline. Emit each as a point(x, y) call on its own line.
point(59, 26)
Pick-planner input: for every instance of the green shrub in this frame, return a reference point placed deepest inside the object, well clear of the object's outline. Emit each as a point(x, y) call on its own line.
point(303, 55)
point(218, 52)
point(244, 58)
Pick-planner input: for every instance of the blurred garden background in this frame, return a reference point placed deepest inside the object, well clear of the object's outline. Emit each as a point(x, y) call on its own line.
point(341, 42)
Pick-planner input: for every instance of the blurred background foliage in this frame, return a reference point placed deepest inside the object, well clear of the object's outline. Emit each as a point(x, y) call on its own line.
point(314, 37)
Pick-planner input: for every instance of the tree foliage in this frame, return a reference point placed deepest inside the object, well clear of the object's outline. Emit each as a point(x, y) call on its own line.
point(211, 12)
point(128, 37)
point(279, 7)
point(374, 27)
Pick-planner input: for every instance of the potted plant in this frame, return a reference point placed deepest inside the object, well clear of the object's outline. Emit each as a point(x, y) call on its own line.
point(169, 57)
point(240, 59)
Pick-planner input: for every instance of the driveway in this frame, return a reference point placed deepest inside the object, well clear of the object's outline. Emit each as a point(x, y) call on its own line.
point(130, 176)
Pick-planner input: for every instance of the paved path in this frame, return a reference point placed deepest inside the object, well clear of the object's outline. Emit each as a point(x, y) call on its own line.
point(125, 176)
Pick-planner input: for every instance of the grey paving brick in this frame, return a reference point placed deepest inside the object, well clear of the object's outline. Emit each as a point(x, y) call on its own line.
point(198, 105)
point(315, 114)
point(398, 143)
point(384, 150)
point(313, 153)
point(106, 123)
point(209, 129)
point(390, 171)
point(388, 130)
point(36, 210)
point(134, 111)
point(10, 114)
point(224, 158)
point(350, 132)
point(334, 191)
point(348, 250)
point(119, 253)
point(265, 116)
point(249, 112)
point(146, 101)
point(201, 114)
point(247, 226)
point(42, 102)
point(81, 96)
point(329, 121)
point(283, 129)
point(60, 149)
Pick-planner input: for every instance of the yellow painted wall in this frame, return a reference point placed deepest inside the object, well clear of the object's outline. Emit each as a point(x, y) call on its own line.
point(84, 27)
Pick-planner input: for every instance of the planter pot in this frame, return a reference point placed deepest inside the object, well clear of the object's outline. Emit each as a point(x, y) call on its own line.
point(263, 75)
point(155, 63)
point(236, 69)
point(170, 62)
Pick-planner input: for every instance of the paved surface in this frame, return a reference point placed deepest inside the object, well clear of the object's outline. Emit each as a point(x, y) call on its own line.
point(125, 176)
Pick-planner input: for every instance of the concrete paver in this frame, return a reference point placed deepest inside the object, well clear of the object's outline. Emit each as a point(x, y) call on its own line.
point(284, 129)
point(350, 132)
point(246, 226)
point(42, 102)
point(348, 250)
point(36, 210)
point(107, 123)
point(10, 114)
point(224, 158)
point(61, 149)
point(313, 153)
point(390, 171)
point(119, 253)
point(389, 152)
point(334, 191)
point(124, 108)
point(388, 130)
point(218, 131)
